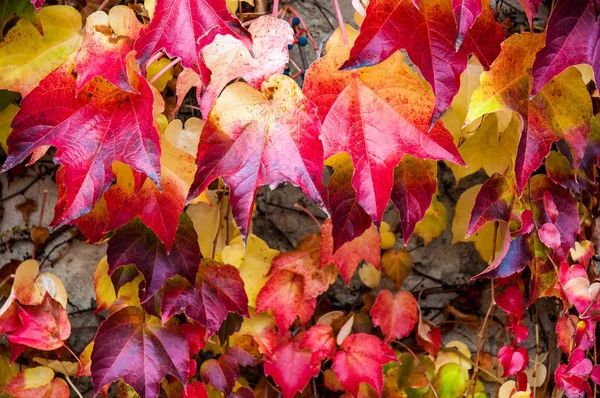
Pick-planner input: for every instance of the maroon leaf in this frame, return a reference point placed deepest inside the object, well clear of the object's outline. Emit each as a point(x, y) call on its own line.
point(218, 290)
point(465, 12)
point(136, 244)
point(140, 353)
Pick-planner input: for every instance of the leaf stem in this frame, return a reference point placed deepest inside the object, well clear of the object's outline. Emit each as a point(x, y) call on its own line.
point(275, 8)
point(165, 69)
point(338, 14)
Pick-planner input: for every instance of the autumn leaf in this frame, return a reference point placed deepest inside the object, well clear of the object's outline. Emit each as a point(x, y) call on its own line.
point(288, 355)
point(20, 8)
point(319, 339)
point(44, 326)
point(6, 117)
point(253, 261)
point(415, 183)
point(396, 315)
point(107, 42)
point(26, 56)
point(465, 13)
point(349, 102)
point(485, 36)
point(561, 110)
point(348, 218)
point(197, 22)
point(360, 360)
point(218, 290)
point(136, 244)
point(513, 360)
point(494, 202)
point(221, 373)
point(350, 254)
point(91, 130)
point(261, 328)
point(228, 58)
point(428, 33)
point(434, 222)
point(37, 382)
point(124, 339)
point(571, 36)
point(253, 138)
point(397, 265)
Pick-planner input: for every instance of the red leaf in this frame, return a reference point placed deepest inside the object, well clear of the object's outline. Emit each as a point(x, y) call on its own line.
point(427, 33)
point(429, 337)
point(221, 373)
point(197, 23)
point(511, 301)
point(291, 367)
point(256, 138)
point(107, 42)
point(567, 217)
point(218, 290)
point(348, 104)
point(361, 360)
point(43, 327)
point(531, 9)
point(38, 4)
point(319, 339)
point(415, 182)
point(513, 360)
point(493, 203)
point(142, 354)
point(284, 294)
point(366, 247)
point(349, 220)
point(485, 36)
point(91, 129)
point(397, 316)
point(515, 259)
point(136, 244)
point(572, 378)
point(465, 12)
point(28, 384)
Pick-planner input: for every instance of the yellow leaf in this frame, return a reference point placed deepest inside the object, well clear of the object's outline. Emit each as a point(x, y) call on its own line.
point(185, 139)
point(210, 222)
point(369, 275)
point(253, 263)
point(64, 367)
point(6, 117)
point(103, 286)
point(483, 239)
point(434, 223)
point(7, 370)
point(388, 238)
point(489, 148)
point(262, 329)
point(157, 66)
point(26, 56)
point(397, 265)
point(336, 37)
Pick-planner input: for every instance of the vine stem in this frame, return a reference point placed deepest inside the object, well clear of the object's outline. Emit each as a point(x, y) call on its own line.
point(304, 209)
point(155, 57)
point(104, 4)
point(338, 14)
point(275, 8)
point(165, 69)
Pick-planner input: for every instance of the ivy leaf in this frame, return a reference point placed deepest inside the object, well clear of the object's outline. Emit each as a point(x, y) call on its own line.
point(136, 244)
point(21, 8)
point(37, 4)
point(220, 373)
point(228, 58)
point(296, 282)
point(513, 360)
point(572, 378)
point(37, 382)
point(218, 290)
point(360, 360)
point(107, 42)
point(197, 22)
point(531, 9)
point(415, 183)
point(428, 33)
point(287, 356)
point(566, 220)
point(91, 129)
point(350, 254)
point(252, 138)
point(465, 12)
point(44, 326)
point(494, 202)
point(319, 339)
point(484, 38)
point(572, 35)
point(139, 352)
point(562, 110)
point(396, 316)
point(348, 104)
point(27, 56)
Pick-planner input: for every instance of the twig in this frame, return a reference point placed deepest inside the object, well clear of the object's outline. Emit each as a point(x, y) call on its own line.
point(32, 183)
point(420, 364)
point(275, 8)
point(340, 19)
point(312, 216)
